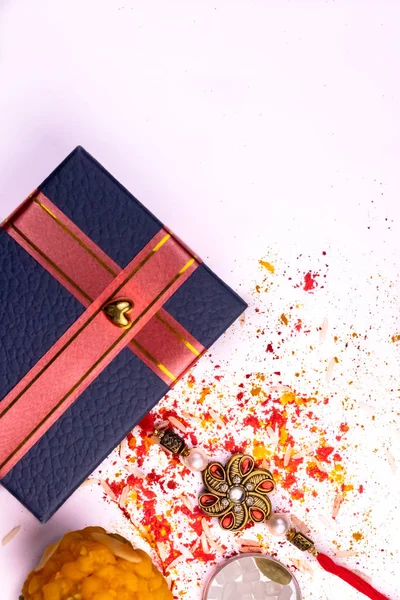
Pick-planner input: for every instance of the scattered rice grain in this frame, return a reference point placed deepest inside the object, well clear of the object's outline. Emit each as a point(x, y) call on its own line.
point(196, 544)
point(90, 481)
point(245, 542)
point(187, 415)
point(47, 554)
point(303, 453)
point(162, 551)
point(323, 330)
point(329, 370)
point(337, 504)
point(303, 567)
point(175, 562)
point(187, 502)
point(320, 466)
point(300, 525)
point(288, 455)
point(183, 550)
point(123, 449)
point(124, 496)
point(204, 543)
point(346, 553)
point(216, 418)
point(272, 436)
point(177, 424)
point(206, 527)
point(10, 535)
point(279, 388)
point(392, 461)
point(108, 490)
point(325, 521)
point(219, 549)
point(133, 470)
point(367, 408)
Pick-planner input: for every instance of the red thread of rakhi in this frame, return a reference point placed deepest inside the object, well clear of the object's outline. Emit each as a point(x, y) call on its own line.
point(238, 494)
point(354, 580)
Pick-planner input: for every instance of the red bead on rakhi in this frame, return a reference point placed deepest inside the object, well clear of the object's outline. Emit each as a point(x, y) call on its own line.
point(238, 494)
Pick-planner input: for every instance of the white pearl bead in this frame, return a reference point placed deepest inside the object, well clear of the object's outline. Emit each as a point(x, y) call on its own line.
point(196, 460)
point(237, 493)
point(278, 525)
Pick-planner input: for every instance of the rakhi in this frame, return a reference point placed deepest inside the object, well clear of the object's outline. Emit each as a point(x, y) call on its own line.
point(237, 494)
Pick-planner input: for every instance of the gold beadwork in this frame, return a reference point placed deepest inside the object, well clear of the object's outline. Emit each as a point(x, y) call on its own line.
point(171, 441)
point(301, 541)
point(116, 311)
point(185, 452)
point(236, 493)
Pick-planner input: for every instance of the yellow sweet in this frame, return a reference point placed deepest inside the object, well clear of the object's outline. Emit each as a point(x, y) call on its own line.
point(93, 565)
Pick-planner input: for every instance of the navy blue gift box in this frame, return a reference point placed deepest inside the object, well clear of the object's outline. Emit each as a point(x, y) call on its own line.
point(38, 308)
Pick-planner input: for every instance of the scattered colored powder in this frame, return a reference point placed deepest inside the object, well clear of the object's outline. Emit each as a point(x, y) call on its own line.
point(255, 391)
point(131, 441)
point(297, 495)
point(314, 472)
point(147, 424)
point(357, 536)
point(292, 398)
point(260, 451)
point(267, 265)
point(310, 283)
point(338, 474)
point(204, 393)
point(323, 453)
point(261, 410)
point(116, 486)
point(252, 421)
point(396, 338)
point(276, 418)
point(347, 488)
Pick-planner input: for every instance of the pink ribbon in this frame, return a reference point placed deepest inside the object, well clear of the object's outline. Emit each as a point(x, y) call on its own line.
point(91, 343)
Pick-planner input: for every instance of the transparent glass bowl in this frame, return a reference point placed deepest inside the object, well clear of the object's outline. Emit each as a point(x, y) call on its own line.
point(252, 577)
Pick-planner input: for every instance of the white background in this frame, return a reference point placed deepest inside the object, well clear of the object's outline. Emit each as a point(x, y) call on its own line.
point(243, 125)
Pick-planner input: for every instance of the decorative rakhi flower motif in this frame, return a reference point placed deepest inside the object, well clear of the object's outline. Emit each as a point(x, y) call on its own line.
point(236, 493)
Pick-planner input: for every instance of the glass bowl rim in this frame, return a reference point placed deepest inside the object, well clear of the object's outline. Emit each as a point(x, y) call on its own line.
point(249, 555)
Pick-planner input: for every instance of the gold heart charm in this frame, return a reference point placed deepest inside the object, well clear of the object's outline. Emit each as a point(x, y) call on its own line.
point(116, 311)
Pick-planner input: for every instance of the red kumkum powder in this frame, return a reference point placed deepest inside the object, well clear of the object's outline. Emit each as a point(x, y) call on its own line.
point(310, 283)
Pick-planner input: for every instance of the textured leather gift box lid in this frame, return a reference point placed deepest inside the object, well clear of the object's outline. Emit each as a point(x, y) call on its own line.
point(37, 309)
